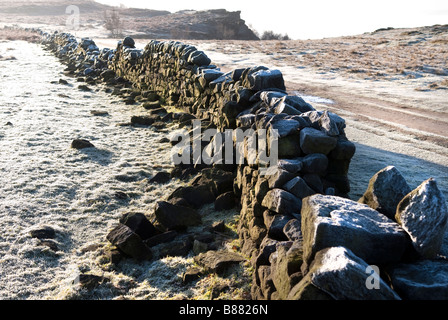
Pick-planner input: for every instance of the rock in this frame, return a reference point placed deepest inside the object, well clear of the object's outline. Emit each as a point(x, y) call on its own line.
point(225, 201)
point(422, 280)
point(90, 281)
point(298, 187)
point(180, 247)
point(293, 230)
point(62, 81)
point(129, 42)
point(220, 180)
point(50, 243)
point(192, 274)
point(278, 177)
point(196, 196)
point(139, 224)
point(330, 221)
point(199, 58)
point(315, 163)
point(282, 202)
point(161, 177)
point(161, 238)
point(81, 144)
point(344, 150)
point(83, 87)
point(265, 79)
point(219, 226)
point(276, 225)
point(287, 261)
point(386, 189)
point(331, 123)
point(288, 146)
point(99, 113)
point(285, 127)
point(330, 271)
point(218, 261)
point(315, 141)
point(129, 243)
point(174, 217)
point(290, 165)
point(44, 232)
point(423, 215)
point(144, 120)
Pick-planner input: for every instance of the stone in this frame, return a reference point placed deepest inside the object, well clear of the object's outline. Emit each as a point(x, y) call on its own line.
point(175, 217)
point(278, 177)
point(180, 247)
point(161, 177)
point(265, 79)
point(331, 123)
point(423, 215)
point(331, 221)
point(285, 127)
point(225, 201)
point(282, 202)
point(90, 281)
point(276, 225)
point(164, 237)
point(340, 274)
point(298, 103)
point(290, 165)
point(199, 58)
point(288, 146)
point(129, 243)
point(144, 120)
point(192, 274)
point(196, 196)
point(45, 232)
point(385, 190)
point(298, 187)
point(315, 163)
point(287, 262)
point(315, 141)
point(129, 42)
point(81, 144)
point(421, 280)
point(293, 230)
point(218, 261)
point(139, 224)
point(344, 150)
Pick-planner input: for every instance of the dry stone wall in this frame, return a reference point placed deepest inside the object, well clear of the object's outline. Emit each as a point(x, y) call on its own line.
point(302, 234)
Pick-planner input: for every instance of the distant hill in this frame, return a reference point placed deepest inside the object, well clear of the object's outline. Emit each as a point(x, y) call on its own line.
point(140, 23)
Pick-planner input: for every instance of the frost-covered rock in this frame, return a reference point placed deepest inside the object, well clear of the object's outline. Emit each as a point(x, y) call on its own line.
point(330, 221)
point(282, 202)
point(316, 141)
point(423, 215)
point(386, 189)
point(340, 274)
point(422, 280)
point(176, 217)
point(129, 243)
point(298, 187)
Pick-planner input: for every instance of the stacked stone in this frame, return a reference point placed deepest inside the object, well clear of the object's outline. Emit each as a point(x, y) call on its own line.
point(303, 236)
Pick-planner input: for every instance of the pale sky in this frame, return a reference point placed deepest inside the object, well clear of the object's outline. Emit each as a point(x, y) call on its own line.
point(313, 19)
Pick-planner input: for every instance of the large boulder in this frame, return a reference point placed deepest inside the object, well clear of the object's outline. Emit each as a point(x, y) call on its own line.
point(338, 273)
point(422, 280)
point(331, 221)
point(386, 189)
point(423, 215)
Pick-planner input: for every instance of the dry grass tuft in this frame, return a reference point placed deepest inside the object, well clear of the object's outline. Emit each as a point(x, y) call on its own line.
point(17, 34)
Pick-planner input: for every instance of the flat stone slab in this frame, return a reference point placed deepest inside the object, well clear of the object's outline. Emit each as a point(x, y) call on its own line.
point(330, 221)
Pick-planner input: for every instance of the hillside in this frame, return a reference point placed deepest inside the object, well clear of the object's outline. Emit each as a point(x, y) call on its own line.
point(139, 23)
